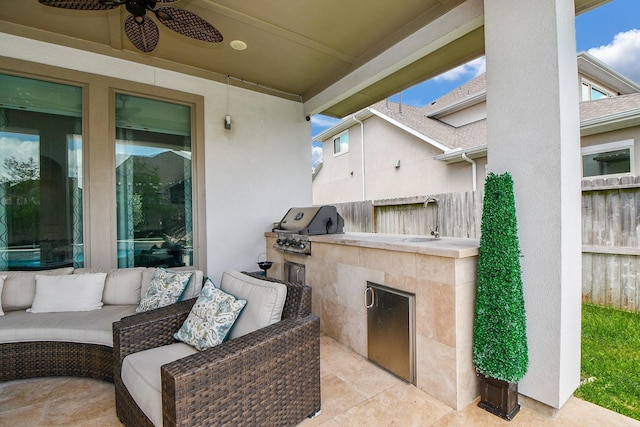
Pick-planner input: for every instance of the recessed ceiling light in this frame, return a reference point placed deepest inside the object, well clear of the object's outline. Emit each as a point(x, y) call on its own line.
point(238, 44)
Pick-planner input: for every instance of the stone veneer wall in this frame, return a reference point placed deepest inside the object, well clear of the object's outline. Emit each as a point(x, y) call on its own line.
point(445, 296)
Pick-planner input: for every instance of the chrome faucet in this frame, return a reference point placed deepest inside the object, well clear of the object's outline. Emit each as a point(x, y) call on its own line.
point(434, 232)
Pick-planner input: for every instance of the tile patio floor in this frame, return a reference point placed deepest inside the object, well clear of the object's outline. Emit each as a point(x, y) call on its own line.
point(354, 393)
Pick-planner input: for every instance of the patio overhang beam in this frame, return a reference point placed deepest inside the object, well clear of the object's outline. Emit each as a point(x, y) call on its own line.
point(451, 40)
point(454, 39)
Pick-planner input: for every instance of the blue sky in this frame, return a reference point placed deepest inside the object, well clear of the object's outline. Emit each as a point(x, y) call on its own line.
point(610, 32)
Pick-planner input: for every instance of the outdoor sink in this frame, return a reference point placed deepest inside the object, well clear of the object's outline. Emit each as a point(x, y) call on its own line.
point(420, 239)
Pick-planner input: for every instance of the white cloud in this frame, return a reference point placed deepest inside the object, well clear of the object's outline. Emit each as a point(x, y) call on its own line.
point(622, 54)
point(20, 149)
point(323, 121)
point(472, 68)
point(316, 155)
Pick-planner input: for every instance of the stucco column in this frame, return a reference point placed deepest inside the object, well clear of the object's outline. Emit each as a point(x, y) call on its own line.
point(533, 132)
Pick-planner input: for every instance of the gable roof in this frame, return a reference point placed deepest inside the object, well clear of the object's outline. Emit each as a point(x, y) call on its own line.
point(593, 68)
point(447, 136)
point(470, 93)
point(608, 114)
point(603, 115)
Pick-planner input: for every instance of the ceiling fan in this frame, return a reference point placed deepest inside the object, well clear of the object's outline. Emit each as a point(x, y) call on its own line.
point(141, 29)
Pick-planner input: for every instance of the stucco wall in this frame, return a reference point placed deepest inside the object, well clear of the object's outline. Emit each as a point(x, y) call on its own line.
point(385, 146)
point(253, 173)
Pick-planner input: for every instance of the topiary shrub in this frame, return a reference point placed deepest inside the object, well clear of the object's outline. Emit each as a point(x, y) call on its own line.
point(499, 330)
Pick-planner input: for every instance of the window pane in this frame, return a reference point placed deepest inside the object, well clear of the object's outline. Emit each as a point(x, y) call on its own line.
point(596, 94)
point(40, 174)
point(153, 183)
point(341, 143)
point(586, 92)
point(607, 163)
point(344, 142)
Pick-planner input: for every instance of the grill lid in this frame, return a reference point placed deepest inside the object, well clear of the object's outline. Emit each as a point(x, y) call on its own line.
point(312, 220)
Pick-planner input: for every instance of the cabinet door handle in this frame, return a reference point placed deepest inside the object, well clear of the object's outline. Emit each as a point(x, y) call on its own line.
point(369, 291)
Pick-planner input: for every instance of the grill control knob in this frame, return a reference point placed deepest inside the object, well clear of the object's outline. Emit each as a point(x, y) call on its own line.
point(293, 242)
point(301, 244)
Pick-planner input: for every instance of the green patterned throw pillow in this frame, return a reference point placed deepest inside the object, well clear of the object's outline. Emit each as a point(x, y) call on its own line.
point(165, 289)
point(211, 318)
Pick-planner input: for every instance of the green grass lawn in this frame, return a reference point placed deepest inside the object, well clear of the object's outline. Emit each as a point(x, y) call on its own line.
point(611, 359)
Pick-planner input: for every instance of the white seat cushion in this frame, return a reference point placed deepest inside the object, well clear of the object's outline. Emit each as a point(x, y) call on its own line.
point(141, 376)
point(91, 327)
point(265, 301)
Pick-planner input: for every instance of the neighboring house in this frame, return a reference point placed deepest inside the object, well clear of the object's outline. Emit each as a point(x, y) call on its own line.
point(442, 147)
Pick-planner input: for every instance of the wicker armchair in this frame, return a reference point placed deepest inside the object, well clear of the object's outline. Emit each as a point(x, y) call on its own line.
point(268, 377)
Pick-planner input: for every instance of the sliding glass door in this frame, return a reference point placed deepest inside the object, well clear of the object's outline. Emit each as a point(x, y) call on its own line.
point(153, 183)
point(40, 174)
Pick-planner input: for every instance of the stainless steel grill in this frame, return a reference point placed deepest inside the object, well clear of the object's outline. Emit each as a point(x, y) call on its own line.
point(299, 223)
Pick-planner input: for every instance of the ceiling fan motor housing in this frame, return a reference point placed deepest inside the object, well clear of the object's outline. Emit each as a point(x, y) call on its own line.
point(139, 7)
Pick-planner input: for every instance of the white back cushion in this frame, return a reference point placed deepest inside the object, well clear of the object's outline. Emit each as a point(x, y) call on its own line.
point(20, 287)
point(122, 286)
point(265, 301)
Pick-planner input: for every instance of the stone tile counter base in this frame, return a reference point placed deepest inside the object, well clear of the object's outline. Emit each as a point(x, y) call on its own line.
point(442, 275)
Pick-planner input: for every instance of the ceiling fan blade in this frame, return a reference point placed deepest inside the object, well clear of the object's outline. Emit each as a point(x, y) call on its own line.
point(142, 32)
point(83, 4)
point(188, 24)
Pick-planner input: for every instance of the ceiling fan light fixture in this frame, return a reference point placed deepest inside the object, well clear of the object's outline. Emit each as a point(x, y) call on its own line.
point(238, 44)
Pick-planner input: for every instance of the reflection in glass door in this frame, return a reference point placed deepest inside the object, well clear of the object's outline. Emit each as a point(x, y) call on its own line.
point(40, 174)
point(153, 183)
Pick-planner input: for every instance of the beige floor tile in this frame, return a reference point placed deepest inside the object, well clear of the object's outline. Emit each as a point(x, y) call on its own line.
point(57, 402)
point(402, 405)
point(355, 392)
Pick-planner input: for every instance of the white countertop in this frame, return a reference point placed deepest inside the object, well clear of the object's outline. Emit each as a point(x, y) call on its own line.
point(449, 247)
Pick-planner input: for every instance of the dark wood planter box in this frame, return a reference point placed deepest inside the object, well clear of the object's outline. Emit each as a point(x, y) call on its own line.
point(499, 397)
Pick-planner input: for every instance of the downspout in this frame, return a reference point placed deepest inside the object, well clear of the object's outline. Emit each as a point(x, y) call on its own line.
point(364, 191)
point(473, 170)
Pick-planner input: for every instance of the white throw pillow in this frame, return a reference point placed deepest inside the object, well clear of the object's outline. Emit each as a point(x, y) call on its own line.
point(211, 318)
point(20, 287)
point(1, 286)
point(73, 292)
point(165, 289)
point(122, 286)
point(265, 301)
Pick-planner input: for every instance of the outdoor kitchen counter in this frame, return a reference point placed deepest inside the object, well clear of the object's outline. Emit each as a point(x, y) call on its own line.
point(441, 273)
point(448, 247)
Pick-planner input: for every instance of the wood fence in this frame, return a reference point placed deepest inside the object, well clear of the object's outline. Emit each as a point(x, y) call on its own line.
point(458, 215)
point(610, 231)
point(610, 239)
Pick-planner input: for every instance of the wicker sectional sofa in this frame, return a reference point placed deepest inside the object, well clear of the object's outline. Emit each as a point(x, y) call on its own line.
point(73, 343)
point(268, 377)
